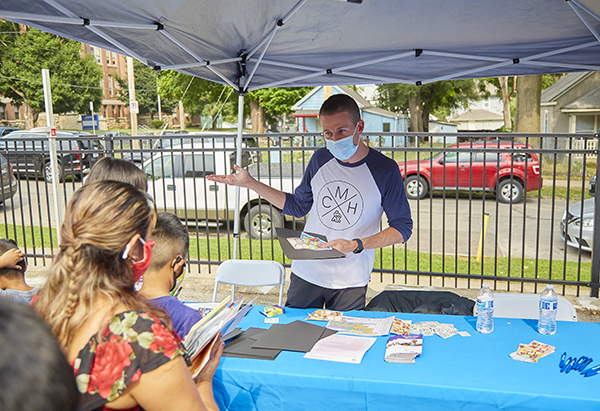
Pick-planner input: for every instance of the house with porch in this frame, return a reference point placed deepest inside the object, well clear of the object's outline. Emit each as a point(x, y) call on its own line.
point(306, 114)
point(572, 104)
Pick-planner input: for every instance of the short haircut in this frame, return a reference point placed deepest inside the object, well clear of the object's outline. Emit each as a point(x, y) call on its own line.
point(339, 103)
point(34, 373)
point(11, 273)
point(171, 239)
point(116, 169)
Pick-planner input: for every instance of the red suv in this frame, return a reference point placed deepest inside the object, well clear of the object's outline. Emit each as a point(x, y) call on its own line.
point(465, 171)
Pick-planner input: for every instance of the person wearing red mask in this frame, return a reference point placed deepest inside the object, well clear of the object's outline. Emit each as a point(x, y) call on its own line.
point(123, 350)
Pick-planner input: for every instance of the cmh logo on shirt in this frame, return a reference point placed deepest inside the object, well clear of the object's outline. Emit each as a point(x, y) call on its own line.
point(339, 205)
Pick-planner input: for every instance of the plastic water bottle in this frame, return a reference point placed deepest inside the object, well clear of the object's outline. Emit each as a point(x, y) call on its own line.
point(548, 309)
point(485, 310)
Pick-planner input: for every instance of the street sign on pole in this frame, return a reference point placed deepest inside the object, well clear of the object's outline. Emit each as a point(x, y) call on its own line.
point(133, 107)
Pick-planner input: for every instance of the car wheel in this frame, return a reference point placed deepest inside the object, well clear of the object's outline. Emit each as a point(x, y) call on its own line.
point(416, 187)
point(509, 190)
point(47, 172)
point(261, 221)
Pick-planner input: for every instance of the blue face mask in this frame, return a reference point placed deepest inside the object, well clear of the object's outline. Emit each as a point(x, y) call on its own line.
point(343, 148)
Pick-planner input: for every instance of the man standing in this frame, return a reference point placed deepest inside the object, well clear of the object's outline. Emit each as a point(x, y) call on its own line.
point(346, 188)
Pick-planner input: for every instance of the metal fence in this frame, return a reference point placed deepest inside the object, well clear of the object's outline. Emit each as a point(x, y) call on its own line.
point(513, 210)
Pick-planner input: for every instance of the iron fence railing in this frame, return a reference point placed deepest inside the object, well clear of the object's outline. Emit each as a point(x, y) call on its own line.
point(513, 210)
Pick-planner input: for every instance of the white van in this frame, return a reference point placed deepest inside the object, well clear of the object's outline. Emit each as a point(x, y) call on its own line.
point(177, 183)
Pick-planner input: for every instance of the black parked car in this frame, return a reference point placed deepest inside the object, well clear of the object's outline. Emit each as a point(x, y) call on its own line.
point(29, 153)
point(8, 182)
point(4, 130)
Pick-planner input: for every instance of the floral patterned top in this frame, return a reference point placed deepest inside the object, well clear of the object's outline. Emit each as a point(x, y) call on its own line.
point(134, 342)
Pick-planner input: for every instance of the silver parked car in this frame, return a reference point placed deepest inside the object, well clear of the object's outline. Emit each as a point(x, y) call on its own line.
point(577, 227)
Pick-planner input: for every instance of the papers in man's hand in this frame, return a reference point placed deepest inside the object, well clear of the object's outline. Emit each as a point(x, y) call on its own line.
point(222, 318)
point(307, 242)
point(341, 348)
point(362, 326)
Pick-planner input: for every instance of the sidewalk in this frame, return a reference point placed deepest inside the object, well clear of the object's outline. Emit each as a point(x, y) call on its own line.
point(199, 286)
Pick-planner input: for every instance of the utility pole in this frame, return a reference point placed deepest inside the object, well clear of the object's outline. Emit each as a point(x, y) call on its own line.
point(181, 115)
point(133, 107)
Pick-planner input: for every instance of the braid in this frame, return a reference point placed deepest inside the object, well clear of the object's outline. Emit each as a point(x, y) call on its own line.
point(99, 221)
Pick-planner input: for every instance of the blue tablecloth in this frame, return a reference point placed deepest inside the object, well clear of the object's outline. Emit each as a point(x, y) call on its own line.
point(459, 373)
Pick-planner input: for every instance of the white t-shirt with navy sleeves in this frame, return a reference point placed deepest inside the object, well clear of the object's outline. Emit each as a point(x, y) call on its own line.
point(347, 201)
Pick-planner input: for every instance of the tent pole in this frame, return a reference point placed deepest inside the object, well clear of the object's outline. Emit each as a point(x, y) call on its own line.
point(52, 147)
point(238, 161)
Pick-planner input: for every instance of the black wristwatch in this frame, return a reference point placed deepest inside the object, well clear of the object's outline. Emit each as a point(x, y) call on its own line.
point(360, 247)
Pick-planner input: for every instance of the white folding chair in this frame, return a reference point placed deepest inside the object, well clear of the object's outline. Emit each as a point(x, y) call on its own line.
point(527, 306)
point(250, 273)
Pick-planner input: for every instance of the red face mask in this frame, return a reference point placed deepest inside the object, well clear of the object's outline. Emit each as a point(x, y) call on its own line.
point(140, 267)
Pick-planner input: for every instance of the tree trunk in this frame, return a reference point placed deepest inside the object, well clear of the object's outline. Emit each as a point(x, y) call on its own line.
point(529, 96)
point(505, 102)
point(257, 117)
point(414, 107)
point(30, 115)
point(425, 118)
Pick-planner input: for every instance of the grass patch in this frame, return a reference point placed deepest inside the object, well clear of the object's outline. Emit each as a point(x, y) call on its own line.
point(28, 236)
point(397, 259)
point(517, 267)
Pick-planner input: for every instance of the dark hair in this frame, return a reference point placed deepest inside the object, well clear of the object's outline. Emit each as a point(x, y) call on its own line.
point(116, 169)
point(34, 373)
point(171, 239)
point(339, 103)
point(11, 273)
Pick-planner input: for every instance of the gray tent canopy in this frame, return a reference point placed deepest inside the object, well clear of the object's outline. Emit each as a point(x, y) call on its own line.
point(253, 44)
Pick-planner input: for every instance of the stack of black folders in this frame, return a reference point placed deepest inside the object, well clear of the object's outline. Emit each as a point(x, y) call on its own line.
point(266, 344)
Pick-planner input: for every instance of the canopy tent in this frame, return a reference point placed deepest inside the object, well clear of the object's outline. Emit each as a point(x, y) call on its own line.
point(253, 44)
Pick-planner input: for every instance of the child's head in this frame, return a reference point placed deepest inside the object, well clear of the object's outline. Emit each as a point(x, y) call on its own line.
point(116, 169)
point(11, 273)
point(35, 373)
point(171, 247)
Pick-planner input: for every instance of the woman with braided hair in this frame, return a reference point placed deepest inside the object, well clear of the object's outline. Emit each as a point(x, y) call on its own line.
point(122, 349)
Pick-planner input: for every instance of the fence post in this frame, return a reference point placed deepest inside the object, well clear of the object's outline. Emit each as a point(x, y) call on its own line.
point(596, 246)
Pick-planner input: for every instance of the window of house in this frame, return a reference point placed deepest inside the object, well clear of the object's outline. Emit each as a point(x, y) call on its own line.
point(2, 112)
point(486, 103)
point(95, 51)
point(114, 111)
point(110, 85)
point(107, 53)
point(17, 111)
point(584, 124)
point(386, 127)
point(113, 58)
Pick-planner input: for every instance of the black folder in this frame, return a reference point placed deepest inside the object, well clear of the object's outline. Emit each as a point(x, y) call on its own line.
point(290, 252)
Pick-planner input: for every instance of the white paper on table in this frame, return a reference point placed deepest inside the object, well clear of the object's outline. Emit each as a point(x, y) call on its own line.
point(362, 326)
point(341, 348)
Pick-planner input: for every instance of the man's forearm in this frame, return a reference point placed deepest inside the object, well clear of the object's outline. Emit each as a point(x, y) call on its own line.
point(384, 238)
point(272, 195)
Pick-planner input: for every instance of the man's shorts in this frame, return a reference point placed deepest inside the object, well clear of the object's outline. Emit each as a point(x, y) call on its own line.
point(303, 294)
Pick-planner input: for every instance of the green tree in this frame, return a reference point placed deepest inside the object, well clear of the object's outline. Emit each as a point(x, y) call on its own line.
point(269, 103)
point(208, 98)
point(145, 91)
point(198, 96)
point(420, 101)
point(24, 52)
